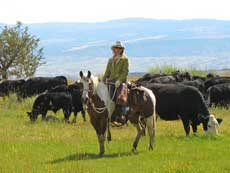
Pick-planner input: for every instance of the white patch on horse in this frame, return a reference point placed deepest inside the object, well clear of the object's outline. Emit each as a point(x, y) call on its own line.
point(150, 93)
point(151, 121)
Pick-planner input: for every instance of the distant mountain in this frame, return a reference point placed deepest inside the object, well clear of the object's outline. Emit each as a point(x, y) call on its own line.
point(201, 43)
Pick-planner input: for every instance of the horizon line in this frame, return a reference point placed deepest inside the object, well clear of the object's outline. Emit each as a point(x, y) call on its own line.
point(111, 20)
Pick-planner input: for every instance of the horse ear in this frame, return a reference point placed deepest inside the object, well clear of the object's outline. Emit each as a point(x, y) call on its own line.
point(89, 74)
point(81, 74)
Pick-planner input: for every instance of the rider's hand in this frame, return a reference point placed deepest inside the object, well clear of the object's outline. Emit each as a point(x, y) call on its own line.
point(117, 84)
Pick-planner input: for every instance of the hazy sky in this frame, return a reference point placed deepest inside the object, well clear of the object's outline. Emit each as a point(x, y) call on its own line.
point(33, 11)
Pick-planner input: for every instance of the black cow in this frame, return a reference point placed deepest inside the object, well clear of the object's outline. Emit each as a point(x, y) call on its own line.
point(219, 95)
point(148, 77)
point(163, 79)
point(176, 101)
point(199, 84)
point(182, 76)
point(11, 86)
point(211, 75)
point(195, 77)
point(215, 81)
point(75, 90)
point(51, 102)
point(38, 85)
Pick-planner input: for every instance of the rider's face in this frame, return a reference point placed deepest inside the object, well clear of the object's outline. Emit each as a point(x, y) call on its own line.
point(117, 51)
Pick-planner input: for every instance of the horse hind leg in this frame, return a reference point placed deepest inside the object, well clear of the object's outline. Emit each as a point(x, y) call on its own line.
point(139, 134)
point(150, 123)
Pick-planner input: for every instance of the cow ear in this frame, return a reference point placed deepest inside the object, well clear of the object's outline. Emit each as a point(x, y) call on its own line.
point(81, 74)
point(89, 74)
point(219, 120)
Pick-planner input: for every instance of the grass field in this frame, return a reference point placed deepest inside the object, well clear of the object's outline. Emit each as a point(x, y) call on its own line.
point(59, 147)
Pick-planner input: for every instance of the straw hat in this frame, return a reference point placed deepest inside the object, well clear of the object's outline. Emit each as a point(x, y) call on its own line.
point(118, 44)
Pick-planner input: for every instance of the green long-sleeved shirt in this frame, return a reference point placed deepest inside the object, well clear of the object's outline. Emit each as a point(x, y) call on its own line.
point(117, 69)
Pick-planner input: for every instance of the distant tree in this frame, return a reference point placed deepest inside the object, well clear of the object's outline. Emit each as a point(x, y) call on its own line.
point(20, 54)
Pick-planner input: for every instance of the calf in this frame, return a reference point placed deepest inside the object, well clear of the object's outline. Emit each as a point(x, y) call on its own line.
point(75, 90)
point(51, 102)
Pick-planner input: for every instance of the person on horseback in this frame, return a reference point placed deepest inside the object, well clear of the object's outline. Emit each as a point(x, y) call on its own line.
point(116, 74)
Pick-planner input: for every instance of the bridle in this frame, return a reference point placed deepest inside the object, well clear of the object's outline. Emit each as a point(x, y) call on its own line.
point(98, 110)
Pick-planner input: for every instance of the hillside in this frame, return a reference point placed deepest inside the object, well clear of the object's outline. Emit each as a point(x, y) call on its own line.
point(191, 43)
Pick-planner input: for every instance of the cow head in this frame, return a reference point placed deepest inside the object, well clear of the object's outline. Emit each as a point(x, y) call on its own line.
point(33, 115)
point(211, 124)
point(86, 81)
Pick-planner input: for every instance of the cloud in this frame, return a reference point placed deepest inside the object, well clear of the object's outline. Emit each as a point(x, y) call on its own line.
point(87, 45)
point(157, 37)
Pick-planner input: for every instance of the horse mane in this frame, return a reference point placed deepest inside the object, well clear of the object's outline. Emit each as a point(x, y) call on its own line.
point(95, 81)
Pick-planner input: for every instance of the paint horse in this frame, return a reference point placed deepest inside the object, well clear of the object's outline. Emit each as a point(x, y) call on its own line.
point(100, 108)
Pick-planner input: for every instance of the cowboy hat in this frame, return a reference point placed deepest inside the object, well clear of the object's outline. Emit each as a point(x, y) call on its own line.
point(118, 44)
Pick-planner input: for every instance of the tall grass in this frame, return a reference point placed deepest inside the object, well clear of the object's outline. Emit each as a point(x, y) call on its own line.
point(169, 69)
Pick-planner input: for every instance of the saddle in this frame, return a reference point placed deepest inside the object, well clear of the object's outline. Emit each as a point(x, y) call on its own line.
point(119, 96)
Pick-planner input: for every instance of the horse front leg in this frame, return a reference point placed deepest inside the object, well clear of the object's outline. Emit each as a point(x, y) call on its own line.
point(101, 140)
point(110, 112)
point(139, 134)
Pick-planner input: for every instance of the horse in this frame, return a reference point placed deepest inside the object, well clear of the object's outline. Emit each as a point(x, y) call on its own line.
point(101, 107)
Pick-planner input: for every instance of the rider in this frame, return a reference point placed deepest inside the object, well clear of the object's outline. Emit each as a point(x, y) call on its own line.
point(117, 69)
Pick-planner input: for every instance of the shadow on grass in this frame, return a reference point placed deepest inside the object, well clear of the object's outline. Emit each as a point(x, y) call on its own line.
point(90, 156)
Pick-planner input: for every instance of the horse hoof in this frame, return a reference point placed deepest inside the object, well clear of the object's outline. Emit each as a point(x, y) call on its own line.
point(134, 150)
point(101, 154)
point(109, 138)
point(150, 148)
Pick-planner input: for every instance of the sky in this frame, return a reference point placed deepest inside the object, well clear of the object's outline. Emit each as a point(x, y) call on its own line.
point(37, 11)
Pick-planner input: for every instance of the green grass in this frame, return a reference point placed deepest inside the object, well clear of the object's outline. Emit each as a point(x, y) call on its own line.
point(169, 69)
point(59, 147)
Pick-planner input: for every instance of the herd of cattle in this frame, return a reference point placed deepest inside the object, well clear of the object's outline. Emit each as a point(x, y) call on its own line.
point(214, 89)
point(54, 94)
point(177, 94)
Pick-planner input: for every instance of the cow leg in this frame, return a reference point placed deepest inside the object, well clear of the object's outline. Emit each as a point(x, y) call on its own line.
point(75, 117)
point(66, 113)
point(150, 123)
point(44, 115)
point(194, 127)
point(139, 134)
point(186, 125)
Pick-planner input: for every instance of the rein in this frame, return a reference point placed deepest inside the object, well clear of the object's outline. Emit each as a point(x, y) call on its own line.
point(110, 83)
point(100, 110)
